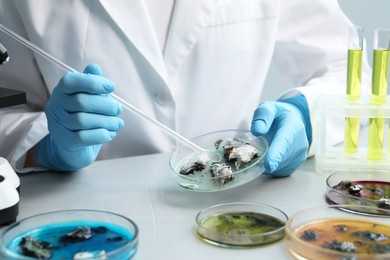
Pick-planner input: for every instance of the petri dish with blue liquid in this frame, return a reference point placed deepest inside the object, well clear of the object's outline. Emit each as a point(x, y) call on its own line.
point(70, 234)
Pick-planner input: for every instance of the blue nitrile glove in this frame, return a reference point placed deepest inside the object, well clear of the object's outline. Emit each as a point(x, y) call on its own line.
point(81, 117)
point(286, 125)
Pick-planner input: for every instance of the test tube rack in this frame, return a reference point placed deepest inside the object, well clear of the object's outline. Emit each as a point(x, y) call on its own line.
point(330, 157)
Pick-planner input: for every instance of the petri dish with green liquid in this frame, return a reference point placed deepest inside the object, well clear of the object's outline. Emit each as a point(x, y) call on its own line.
point(240, 225)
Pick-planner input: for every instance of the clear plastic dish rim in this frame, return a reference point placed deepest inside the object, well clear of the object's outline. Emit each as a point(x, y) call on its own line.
point(342, 207)
point(132, 242)
point(253, 163)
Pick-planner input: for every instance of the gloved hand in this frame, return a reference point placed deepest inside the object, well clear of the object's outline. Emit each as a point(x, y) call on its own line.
point(81, 117)
point(286, 126)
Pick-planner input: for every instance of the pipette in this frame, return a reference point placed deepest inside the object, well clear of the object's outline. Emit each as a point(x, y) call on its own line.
point(125, 104)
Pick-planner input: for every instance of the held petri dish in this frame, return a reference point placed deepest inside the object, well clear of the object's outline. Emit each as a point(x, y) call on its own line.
point(242, 160)
point(366, 188)
point(70, 234)
point(240, 225)
point(330, 232)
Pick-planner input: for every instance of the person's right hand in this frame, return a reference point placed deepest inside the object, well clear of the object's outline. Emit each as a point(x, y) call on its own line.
point(286, 126)
point(81, 117)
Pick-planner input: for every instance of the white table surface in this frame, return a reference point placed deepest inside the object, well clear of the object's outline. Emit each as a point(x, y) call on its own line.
point(142, 189)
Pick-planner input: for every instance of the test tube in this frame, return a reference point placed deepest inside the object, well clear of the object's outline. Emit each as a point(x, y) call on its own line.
point(378, 92)
point(354, 80)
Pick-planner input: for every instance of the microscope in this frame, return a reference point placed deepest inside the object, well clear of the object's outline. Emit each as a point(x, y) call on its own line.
point(9, 193)
point(9, 180)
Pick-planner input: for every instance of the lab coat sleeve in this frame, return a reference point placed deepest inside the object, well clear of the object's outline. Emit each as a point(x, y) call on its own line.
point(22, 126)
point(19, 132)
point(311, 53)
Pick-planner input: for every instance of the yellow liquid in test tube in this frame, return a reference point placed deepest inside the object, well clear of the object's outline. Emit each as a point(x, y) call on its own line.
point(378, 97)
point(354, 79)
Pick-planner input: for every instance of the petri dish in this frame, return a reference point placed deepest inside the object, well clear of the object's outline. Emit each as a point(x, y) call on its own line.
point(70, 234)
point(240, 225)
point(330, 232)
point(236, 170)
point(366, 188)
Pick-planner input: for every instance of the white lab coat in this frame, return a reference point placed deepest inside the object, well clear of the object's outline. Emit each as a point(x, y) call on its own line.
point(209, 77)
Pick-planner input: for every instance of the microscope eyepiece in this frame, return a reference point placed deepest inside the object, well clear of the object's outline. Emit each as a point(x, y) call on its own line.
point(4, 57)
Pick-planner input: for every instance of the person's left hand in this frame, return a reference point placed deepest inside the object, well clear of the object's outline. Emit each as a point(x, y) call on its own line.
point(286, 126)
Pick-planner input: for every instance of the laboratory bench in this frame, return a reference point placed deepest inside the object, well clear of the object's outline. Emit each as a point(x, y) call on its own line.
point(142, 189)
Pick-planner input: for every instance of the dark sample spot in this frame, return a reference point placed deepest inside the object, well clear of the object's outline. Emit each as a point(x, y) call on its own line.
point(36, 248)
point(79, 234)
point(355, 189)
point(371, 236)
point(115, 239)
point(384, 203)
point(343, 185)
point(195, 167)
point(310, 235)
point(347, 247)
point(99, 230)
point(341, 228)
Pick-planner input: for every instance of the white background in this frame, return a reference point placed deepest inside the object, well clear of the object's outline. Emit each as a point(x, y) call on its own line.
point(370, 14)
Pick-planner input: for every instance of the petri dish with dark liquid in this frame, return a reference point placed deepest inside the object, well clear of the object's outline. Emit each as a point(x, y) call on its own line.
point(367, 188)
point(70, 234)
point(240, 225)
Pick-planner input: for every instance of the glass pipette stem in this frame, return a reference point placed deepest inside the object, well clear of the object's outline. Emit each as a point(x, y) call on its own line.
point(125, 104)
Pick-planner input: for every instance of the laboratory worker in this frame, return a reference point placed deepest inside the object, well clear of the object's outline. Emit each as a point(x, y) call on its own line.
point(196, 66)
